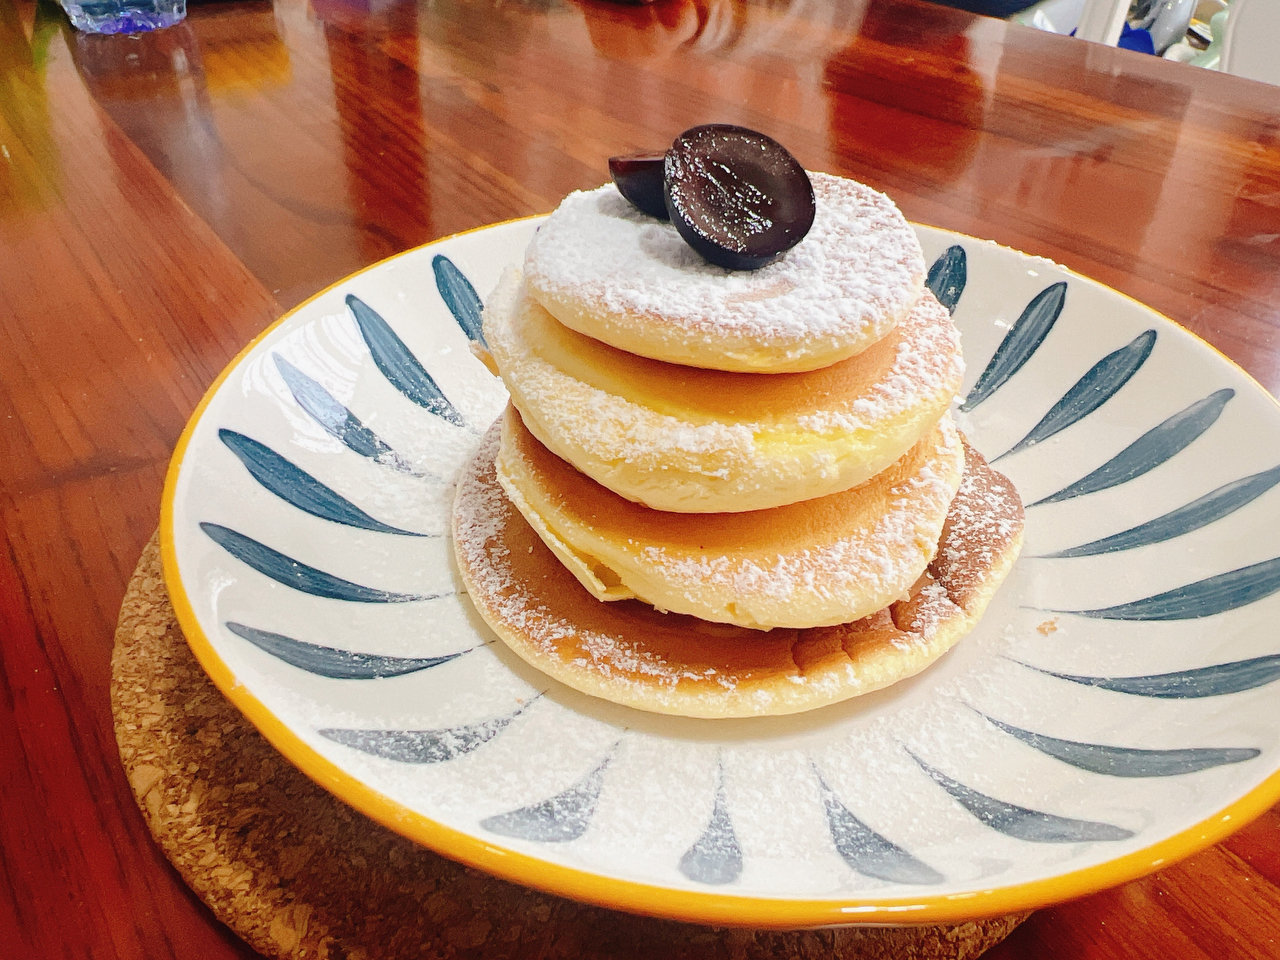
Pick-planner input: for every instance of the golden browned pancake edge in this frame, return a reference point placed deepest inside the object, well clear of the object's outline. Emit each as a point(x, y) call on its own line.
point(816, 562)
point(629, 653)
point(687, 440)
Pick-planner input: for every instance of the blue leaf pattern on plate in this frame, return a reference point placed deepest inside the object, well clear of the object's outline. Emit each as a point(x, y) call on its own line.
point(291, 573)
point(715, 857)
point(460, 297)
point(1102, 382)
point(294, 485)
point(1150, 450)
point(1023, 823)
point(1212, 681)
point(398, 365)
point(331, 662)
point(866, 851)
point(1128, 761)
point(1022, 340)
point(563, 818)
point(948, 276)
point(422, 746)
point(1204, 598)
point(1198, 513)
point(339, 422)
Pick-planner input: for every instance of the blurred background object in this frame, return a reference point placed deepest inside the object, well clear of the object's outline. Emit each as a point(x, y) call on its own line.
point(28, 153)
point(989, 8)
point(1188, 31)
point(1165, 20)
point(124, 16)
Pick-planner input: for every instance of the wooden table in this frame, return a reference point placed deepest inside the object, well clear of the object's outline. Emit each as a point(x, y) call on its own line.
point(163, 198)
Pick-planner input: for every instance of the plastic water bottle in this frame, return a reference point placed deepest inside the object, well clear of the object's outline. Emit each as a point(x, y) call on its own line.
point(124, 16)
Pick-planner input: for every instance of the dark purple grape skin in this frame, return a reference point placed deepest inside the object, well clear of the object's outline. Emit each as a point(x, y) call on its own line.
point(736, 196)
point(638, 177)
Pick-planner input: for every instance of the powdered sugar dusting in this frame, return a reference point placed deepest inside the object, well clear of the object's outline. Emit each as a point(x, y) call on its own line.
point(858, 572)
point(631, 654)
point(860, 267)
point(483, 522)
point(985, 518)
point(888, 402)
point(926, 363)
point(616, 428)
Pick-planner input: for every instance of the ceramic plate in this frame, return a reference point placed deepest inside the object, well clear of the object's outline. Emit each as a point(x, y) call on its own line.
point(1114, 710)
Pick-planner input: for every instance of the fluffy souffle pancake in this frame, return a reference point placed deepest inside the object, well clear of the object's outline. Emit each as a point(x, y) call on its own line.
point(629, 653)
point(813, 563)
point(691, 440)
point(605, 269)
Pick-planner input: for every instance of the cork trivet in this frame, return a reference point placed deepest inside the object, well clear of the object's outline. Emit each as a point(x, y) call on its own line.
point(297, 873)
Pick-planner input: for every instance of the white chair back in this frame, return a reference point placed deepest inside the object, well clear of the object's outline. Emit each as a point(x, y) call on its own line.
point(1251, 44)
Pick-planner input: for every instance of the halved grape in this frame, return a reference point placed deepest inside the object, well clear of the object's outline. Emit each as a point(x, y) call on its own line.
point(638, 177)
point(736, 196)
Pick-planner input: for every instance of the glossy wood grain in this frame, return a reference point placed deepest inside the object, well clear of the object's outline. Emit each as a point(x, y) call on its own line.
point(163, 197)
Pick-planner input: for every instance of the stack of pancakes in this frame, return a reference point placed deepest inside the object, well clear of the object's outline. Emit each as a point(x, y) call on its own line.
point(726, 494)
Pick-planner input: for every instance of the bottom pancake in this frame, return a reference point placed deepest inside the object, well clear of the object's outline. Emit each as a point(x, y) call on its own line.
point(629, 653)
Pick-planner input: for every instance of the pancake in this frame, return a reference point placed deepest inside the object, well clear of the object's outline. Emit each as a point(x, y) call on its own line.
point(629, 653)
point(605, 269)
point(813, 563)
point(689, 440)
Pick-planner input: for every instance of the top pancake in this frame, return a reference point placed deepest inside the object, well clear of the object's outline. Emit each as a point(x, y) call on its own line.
point(605, 269)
